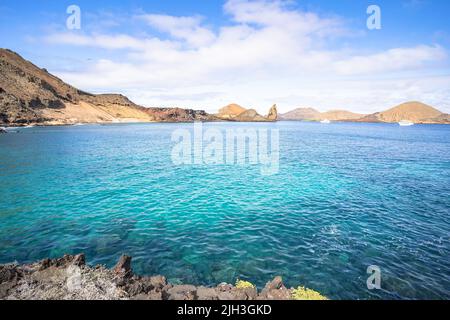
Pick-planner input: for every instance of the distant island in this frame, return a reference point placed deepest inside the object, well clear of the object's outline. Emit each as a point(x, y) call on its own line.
point(30, 95)
point(415, 112)
point(235, 112)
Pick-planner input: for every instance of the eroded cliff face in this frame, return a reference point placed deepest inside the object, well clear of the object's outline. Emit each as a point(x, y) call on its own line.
point(26, 90)
point(30, 95)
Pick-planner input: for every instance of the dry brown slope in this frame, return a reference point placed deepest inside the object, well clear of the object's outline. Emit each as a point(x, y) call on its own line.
point(339, 115)
point(230, 111)
point(413, 111)
point(234, 112)
point(30, 95)
point(310, 114)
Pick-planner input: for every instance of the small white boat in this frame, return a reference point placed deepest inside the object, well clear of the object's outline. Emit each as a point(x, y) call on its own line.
point(406, 123)
point(326, 121)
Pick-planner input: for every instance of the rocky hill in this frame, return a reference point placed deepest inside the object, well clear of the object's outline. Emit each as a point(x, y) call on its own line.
point(416, 112)
point(230, 111)
point(413, 111)
point(301, 114)
point(310, 114)
point(339, 115)
point(31, 95)
point(234, 112)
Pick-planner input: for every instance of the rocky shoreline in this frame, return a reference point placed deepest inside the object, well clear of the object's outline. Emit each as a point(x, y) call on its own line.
point(70, 278)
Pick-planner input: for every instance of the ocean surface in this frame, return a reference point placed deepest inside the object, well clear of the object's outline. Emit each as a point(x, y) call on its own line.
point(346, 196)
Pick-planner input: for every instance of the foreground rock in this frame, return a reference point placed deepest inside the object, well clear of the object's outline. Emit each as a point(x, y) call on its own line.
point(70, 278)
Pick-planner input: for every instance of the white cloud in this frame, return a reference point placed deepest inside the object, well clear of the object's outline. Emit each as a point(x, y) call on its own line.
point(391, 60)
point(267, 53)
point(188, 29)
point(120, 41)
point(276, 14)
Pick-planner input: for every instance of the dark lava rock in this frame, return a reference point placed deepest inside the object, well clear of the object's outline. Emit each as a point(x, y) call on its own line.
point(79, 260)
point(245, 293)
point(136, 288)
point(9, 273)
point(48, 279)
point(123, 267)
point(224, 287)
point(65, 261)
point(226, 291)
point(149, 296)
point(144, 285)
point(9, 277)
point(180, 292)
point(275, 290)
point(278, 294)
point(45, 264)
point(158, 282)
point(276, 283)
point(204, 293)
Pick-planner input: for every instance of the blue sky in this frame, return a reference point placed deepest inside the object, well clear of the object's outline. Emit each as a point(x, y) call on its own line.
point(208, 53)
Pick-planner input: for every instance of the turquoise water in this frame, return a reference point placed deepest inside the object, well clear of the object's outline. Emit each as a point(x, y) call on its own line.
point(347, 196)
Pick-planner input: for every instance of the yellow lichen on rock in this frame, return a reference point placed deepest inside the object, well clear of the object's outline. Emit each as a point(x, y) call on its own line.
point(240, 284)
point(302, 293)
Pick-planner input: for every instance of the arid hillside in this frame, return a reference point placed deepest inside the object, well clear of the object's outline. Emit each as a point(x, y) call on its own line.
point(230, 111)
point(31, 95)
point(412, 111)
point(310, 114)
point(338, 115)
point(234, 112)
point(416, 112)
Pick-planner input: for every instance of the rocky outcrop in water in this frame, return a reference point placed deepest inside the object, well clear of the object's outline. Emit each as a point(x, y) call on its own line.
point(273, 113)
point(70, 278)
